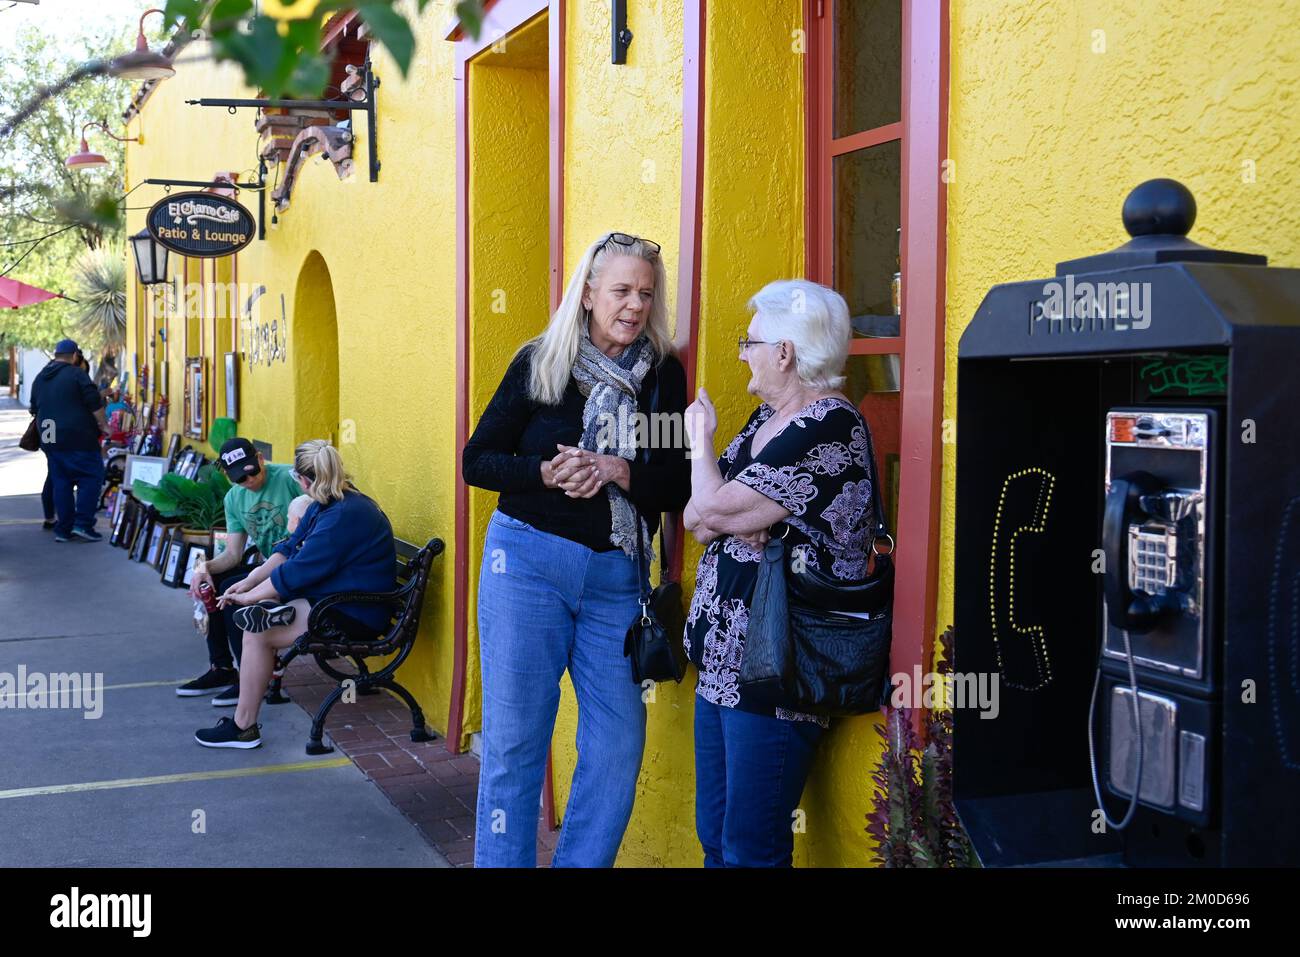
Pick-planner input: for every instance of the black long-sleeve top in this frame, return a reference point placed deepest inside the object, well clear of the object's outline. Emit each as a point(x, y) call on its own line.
point(515, 434)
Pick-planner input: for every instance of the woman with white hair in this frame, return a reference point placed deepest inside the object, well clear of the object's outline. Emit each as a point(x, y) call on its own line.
point(559, 583)
point(802, 460)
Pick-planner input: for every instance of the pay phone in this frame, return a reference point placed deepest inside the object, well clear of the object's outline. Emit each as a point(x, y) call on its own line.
point(1127, 553)
point(1158, 707)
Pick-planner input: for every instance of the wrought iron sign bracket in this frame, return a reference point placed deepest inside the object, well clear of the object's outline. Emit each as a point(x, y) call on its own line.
point(368, 107)
point(259, 187)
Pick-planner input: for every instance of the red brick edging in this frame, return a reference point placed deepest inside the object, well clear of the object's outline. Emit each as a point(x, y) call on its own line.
point(434, 789)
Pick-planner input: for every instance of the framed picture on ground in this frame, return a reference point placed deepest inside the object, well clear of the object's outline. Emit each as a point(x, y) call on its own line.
point(153, 553)
point(173, 447)
point(219, 538)
point(174, 565)
point(119, 520)
point(196, 554)
point(142, 536)
point(129, 526)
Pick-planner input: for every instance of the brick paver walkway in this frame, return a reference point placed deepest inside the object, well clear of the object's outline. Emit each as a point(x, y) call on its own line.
point(435, 789)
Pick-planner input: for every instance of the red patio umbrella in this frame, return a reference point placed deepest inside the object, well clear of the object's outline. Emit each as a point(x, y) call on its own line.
point(15, 294)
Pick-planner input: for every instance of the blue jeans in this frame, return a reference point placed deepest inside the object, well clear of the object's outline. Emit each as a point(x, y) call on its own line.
point(750, 771)
point(85, 470)
point(546, 604)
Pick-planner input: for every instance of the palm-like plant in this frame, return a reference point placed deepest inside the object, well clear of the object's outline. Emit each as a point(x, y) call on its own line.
point(101, 297)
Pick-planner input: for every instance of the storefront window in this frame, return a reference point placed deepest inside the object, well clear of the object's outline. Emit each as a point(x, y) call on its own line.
point(868, 64)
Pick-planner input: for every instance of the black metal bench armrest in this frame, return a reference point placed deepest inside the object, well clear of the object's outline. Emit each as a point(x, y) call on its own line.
point(319, 609)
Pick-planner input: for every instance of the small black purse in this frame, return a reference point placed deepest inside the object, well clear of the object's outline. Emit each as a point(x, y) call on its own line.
point(654, 640)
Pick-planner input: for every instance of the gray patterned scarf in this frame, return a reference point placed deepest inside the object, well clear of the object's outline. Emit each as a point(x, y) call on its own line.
point(611, 387)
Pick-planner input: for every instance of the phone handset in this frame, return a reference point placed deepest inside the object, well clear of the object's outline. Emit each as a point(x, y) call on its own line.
point(1128, 612)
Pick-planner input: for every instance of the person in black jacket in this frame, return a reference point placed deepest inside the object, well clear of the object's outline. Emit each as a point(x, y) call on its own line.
point(559, 582)
point(70, 417)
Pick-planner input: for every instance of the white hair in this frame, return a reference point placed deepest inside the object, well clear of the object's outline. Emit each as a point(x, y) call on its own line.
point(556, 349)
point(813, 317)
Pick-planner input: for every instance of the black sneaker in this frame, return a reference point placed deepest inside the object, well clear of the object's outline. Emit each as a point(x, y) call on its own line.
point(47, 525)
point(228, 698)
point(87, 535)
point(227, 734)
point(264, 615)
point(60, 537)
point(211, 680)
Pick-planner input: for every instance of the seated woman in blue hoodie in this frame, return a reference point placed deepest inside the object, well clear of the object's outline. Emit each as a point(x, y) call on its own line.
point(343, 543)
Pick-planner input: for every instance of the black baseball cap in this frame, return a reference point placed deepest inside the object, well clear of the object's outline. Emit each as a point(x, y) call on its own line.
point(239, 459)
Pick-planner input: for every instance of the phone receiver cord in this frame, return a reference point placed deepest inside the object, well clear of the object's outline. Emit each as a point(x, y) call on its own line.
point(1137, 725)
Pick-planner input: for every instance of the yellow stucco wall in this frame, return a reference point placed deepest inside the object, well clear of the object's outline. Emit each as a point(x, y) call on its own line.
point(1058, 110)
point(1048, 131)
point(389, 251)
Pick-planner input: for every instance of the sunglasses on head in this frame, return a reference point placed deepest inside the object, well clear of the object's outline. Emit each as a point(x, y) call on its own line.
point(624, 239)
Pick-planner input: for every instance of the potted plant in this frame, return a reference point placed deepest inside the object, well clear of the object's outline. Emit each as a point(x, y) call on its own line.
point(197, 503)
point(913, 818)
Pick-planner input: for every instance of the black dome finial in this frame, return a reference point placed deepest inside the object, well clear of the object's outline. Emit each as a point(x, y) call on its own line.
point(1159, 207)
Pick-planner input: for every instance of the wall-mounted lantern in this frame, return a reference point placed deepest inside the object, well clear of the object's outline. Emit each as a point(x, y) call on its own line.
point(150, 259)
point(142, 63)
point(84, 158)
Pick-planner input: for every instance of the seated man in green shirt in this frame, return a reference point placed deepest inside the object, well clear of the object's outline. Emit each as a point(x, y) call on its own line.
point(257, 508)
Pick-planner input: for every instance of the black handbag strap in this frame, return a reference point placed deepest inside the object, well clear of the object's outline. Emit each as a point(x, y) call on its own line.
point(643, 573)
point(877, 508)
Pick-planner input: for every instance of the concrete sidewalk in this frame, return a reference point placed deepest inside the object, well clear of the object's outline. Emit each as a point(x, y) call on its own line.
point(132, 787)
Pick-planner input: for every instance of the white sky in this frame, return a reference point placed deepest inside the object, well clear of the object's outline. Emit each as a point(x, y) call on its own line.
point(58, 18)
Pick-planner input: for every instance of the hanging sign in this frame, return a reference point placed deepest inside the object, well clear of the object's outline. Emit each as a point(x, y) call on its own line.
point(203, 225)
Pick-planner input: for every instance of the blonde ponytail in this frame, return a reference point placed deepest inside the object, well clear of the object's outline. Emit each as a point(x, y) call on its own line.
point(320, 463)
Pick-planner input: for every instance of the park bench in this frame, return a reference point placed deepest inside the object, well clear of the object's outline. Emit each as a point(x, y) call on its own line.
point(325, 643)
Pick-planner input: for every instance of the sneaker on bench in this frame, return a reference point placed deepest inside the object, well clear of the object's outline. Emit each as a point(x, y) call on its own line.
point(267, 614)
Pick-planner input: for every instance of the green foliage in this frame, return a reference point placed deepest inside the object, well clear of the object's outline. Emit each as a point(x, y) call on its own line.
point(101, 299)
point(222, 431)
point(49, 214)
point(198, 503)
point(281, 56)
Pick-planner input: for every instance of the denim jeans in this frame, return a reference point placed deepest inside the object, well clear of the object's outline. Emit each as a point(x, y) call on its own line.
point(86, 471)
point(225, 638)
point(547, 604)
point(750, 771)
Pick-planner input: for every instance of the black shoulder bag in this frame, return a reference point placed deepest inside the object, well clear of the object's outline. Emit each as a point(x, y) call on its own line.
point(654, 640)
point(803, 650)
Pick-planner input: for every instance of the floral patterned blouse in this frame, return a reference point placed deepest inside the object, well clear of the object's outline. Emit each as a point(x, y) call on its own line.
point(816, 467)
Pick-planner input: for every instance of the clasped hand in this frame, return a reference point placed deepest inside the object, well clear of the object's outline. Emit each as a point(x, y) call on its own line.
point(580, 473)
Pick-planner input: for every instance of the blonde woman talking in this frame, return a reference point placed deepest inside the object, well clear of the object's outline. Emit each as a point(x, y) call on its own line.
point(559, 581)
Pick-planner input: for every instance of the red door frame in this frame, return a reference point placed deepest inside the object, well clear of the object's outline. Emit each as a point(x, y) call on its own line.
point(505, 16)
point(923, 130)
point(686, 338)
